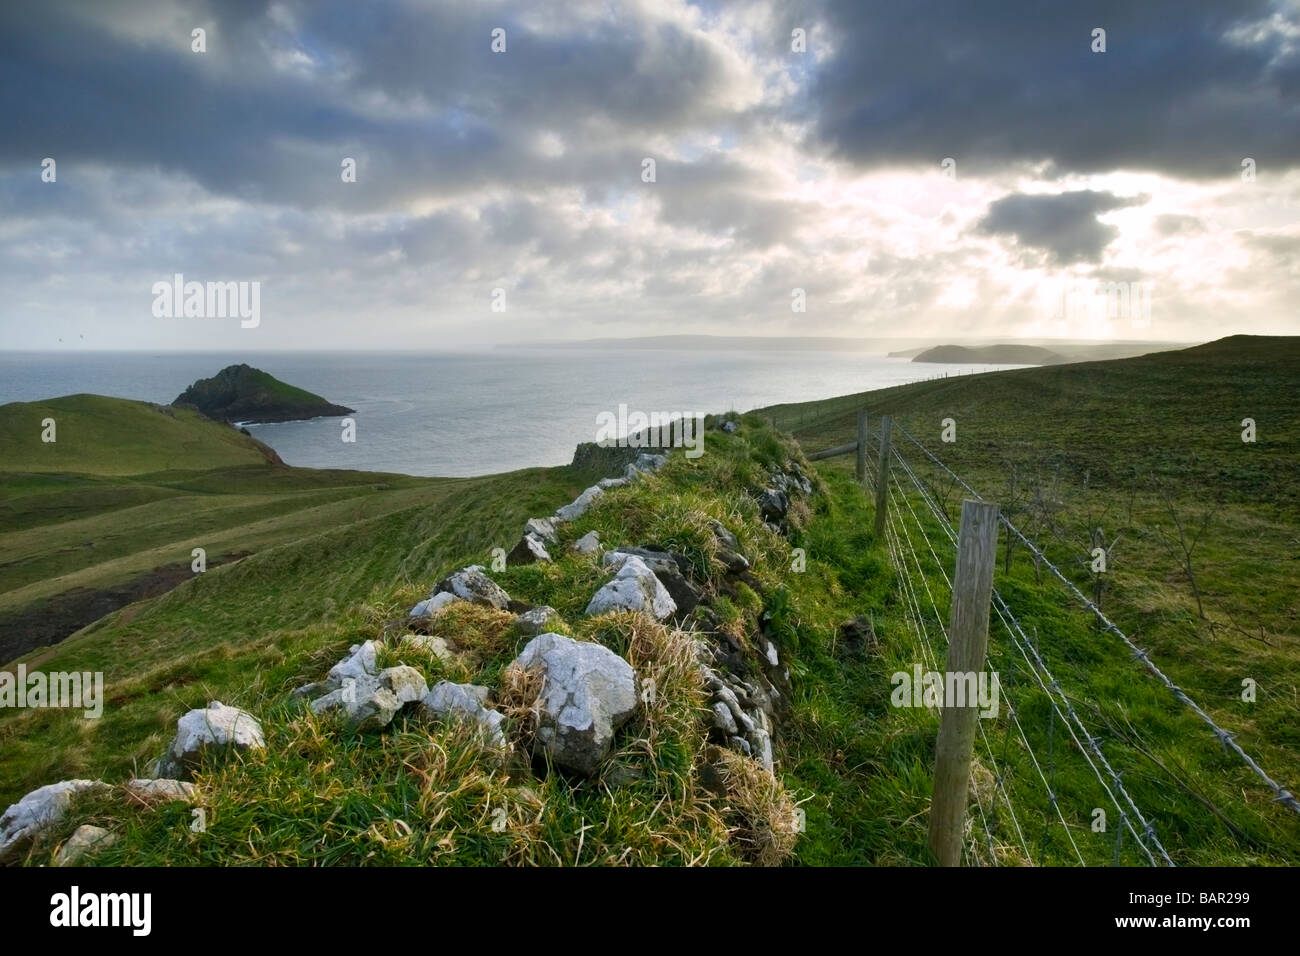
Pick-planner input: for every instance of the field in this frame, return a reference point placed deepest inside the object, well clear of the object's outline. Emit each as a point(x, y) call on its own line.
point(1137, 447)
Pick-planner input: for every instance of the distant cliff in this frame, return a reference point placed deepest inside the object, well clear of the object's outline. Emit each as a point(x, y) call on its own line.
point(241, 393)
point(991, 355)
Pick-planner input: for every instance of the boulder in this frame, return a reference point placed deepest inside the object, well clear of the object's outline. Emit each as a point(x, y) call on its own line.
point(216, 730)
point(430, 606)
point(579, 505)
point(471, 584)
point(542, 528)
point(589, 543)
point(536, 620)
point(645, 464)
point(633, 588)
point(154, 792)
point(85, 839)
point(729, 427)
point(773, 504)
point(35, 811)
point(529, 549)
point(588, 692)
point(668, 568)
point(608, 483)
point(362, 662)
point(437, 646)
point(466, 702)
point(370, 703)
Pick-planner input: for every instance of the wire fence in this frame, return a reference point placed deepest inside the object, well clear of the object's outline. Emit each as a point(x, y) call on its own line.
point(921, 541)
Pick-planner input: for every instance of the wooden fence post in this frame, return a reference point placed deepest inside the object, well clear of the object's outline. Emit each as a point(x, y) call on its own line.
point(882, 475)
point(862, 446)
point(968, 638)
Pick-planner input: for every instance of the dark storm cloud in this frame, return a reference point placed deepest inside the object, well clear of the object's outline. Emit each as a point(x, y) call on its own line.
point(1183, 88)
point(1063, 226)
point(411, 90)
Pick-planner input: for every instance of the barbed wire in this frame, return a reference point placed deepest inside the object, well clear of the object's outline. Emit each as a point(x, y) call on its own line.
point(1004, 613)
point(1225, 737)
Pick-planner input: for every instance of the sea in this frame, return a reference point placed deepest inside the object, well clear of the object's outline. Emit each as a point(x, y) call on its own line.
point(459, 414)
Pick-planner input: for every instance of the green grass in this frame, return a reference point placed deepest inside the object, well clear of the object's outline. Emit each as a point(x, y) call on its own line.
point(1116, 444)
point(95, 435)
point(1125, 442)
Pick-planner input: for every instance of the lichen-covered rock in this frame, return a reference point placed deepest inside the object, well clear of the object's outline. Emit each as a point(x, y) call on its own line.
point(465, 702)
point(154, 792)
point(543, 528)
point(37, 810)
point(370, 703)
point(86, 839)
point(773, 504)
point(430, 606)
point(589, 543)
point(587, 693)
point(668, 568)
point(536, 620)
point(437, 646)
point(471, 584)
point(633, 588)
point(362, 661)
point(579, 505)
point(529, 550)
point(729, 549)
point(203, 733)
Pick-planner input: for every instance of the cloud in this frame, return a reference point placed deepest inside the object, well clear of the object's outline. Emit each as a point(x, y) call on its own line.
point(1064, 225)
point(1185, 87)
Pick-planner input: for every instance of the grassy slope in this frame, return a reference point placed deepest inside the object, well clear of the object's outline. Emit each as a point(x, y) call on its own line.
point(422, 793)
point(860, 767)
point(113, 436)
point(1105, 429)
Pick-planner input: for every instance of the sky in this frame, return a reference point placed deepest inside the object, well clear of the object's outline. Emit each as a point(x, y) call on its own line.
point(862, 168)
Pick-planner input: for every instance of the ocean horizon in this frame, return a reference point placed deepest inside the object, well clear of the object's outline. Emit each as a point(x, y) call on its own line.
point(472, 412)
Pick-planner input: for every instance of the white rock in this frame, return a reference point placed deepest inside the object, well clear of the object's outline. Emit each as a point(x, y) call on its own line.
point(472, 585)
point(85, 839)
point(588, 691)
point(362, 662)
point(633, 588)
point(437, 646)
point(771, 654)
point(608, 483)
point(43, 806)
point(214, 729)
point(530, 549)
point(723, 720)
point(430, 606)
point(589, 543)
point(536, 620)
point(372, 702)
point(467, 702)
point(580, 504)
point(542, 528)
point(160, 791)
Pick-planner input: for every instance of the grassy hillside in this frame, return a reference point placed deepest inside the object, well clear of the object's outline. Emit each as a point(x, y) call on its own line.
point(1138, 448)
point(1135, 447)
point(991, 355)
point(95, 435)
